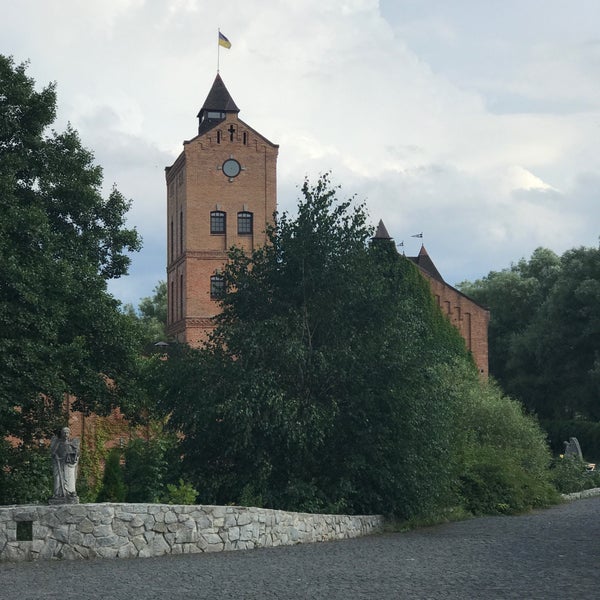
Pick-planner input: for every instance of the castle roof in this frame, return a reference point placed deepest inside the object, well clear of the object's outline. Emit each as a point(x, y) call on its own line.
point(382, 232)
point(217, 103)
point(423, 261)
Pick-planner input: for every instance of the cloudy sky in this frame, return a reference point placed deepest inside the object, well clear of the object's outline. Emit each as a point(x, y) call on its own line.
point(475, 122)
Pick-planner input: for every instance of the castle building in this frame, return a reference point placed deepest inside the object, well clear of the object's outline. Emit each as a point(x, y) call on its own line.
point(471, 319)
point(221, 192)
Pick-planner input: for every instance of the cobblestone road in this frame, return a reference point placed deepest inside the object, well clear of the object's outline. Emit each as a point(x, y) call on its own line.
point(548, 554)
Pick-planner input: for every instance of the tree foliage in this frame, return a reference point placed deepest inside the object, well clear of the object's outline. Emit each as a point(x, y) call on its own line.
point(151, 317)
point(545, 331)
point(502, 451)
point(318, 389)
point(60, 241)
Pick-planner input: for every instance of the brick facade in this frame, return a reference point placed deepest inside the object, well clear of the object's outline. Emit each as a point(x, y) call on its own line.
point(203, 185)
point(466, 315)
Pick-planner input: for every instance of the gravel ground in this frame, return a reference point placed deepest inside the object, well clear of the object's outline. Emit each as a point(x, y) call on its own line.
point(547, 554)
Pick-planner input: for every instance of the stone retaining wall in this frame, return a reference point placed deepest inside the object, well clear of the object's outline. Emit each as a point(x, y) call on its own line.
point(584, 494)
point(140, 530)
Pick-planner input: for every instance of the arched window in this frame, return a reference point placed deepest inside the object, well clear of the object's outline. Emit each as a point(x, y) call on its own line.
point(217, 221)
point(217, 287)
point(244, 223)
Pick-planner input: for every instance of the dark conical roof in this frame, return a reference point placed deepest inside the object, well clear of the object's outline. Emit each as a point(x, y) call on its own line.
point(217, 103)
point(218, 98)
point(424, 262)
point(382, 232)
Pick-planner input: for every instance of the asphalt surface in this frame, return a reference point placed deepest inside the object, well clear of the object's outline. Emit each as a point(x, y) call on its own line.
point(547, 554)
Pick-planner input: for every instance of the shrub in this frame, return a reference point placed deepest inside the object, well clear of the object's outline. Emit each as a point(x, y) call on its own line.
point(503, 454)
point(183, 493)
point(147, 465)
point(113, 486)
point(569, 474)
point(25, 474)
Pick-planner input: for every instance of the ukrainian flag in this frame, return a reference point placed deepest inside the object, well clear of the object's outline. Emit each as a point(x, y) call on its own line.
point(223, 41)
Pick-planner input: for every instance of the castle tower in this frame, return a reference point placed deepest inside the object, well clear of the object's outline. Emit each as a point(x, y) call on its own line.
point(221, 192)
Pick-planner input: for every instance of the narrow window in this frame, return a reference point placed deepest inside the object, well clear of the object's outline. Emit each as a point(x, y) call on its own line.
point(181, 232)
point(244, 222)
point(217, 287)
point(172, 240)
point(172, 301)
point(245, 138)
point(181, 296)
point(217, 221)
point(218, 137)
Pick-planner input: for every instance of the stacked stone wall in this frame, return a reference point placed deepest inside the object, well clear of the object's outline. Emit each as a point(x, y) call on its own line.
point(143, 530)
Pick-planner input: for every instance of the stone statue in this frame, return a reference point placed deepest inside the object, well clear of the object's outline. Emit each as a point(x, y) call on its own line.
point(65, 457)
point(573, 449)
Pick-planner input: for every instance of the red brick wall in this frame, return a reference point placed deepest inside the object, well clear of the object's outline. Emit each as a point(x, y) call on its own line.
point(196, 185)
point(469, 318)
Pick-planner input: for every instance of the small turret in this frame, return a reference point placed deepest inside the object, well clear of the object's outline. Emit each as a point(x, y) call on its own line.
point(217, 104)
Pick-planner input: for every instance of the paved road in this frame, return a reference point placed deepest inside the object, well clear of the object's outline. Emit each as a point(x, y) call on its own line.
point(548, 554)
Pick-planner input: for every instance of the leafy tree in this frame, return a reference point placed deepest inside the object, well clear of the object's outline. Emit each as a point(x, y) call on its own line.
point(60, 242)
point(151, 317)
point(319, 387)
point(545, 331)
point(29, 478)
point(147, 465)
point(513, 296)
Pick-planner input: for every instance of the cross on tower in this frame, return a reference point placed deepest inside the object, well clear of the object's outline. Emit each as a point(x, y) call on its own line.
point(231, 132)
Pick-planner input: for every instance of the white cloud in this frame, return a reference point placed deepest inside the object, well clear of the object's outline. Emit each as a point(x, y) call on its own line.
point(472, 126)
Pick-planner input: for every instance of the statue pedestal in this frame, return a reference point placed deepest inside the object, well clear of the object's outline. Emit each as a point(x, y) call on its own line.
point(64, 500)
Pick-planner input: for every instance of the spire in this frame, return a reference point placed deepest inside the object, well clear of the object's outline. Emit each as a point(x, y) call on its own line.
point(217, 104)
point(424, 261)
point(381, 233)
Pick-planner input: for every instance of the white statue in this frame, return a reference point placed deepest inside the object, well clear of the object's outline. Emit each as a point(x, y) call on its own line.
point(65, 457)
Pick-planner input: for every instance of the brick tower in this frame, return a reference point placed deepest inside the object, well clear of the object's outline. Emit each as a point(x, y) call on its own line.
point(221, 192)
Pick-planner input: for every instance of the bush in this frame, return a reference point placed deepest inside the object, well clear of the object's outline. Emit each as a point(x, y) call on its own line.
point(113, 486)
point(147, 465)
point(504, 457)
point(183, 493)
point(569, 474)
point(25, 474)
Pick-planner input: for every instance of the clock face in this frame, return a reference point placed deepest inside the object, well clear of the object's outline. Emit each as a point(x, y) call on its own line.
point(231, 168)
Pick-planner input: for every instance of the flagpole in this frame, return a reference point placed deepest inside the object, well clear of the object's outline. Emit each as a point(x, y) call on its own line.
point(218, 48)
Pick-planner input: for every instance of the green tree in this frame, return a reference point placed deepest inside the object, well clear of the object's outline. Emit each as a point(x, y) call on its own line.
point(318, 389)
point(545, 331)
point(60, 242)
point(147, 466)
point(554, 363)
point(151, 317)
point(513, 296)
point(113, 484)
